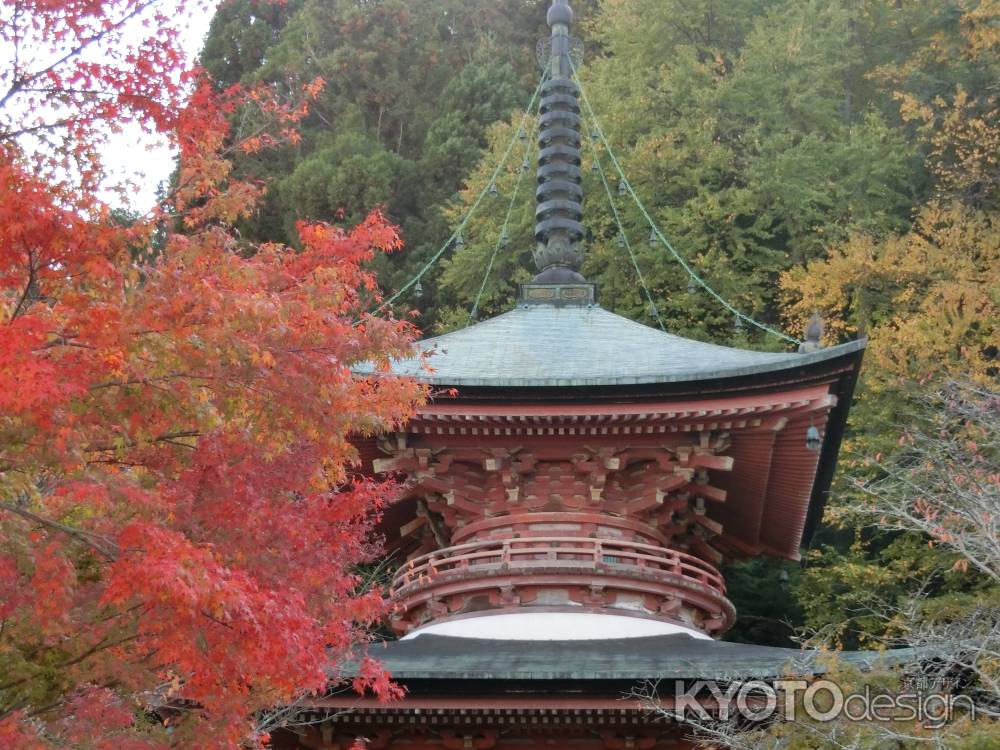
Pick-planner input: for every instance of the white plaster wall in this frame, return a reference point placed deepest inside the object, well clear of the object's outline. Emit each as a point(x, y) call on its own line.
point(553, 626)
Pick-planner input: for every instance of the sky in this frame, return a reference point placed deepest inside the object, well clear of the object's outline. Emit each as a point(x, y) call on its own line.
point(131, 156)
point(136, 156)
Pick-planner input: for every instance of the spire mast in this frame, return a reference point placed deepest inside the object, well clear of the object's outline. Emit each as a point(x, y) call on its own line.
point(558, 229)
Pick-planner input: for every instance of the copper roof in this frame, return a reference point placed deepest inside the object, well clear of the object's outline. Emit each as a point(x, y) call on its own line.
point(584, 345)
point(652, 657)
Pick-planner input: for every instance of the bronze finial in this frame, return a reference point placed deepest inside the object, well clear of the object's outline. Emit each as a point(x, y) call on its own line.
point(814, 332)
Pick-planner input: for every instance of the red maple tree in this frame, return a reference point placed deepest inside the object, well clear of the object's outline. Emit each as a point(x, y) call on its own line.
point(179, 520)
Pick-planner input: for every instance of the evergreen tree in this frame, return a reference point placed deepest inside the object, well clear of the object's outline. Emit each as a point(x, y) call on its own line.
point(409, 91)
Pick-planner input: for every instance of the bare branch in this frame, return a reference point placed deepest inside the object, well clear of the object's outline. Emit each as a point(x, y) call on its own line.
point(97, 542)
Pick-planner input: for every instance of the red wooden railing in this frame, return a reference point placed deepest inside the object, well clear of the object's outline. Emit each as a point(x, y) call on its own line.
point(572, 553)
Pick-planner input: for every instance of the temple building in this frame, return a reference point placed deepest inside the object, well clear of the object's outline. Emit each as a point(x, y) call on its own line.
point(572, 489)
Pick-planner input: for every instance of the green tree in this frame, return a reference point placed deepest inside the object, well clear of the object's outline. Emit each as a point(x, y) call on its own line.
point(345, 173)
point(240, 35)
point(410, 89)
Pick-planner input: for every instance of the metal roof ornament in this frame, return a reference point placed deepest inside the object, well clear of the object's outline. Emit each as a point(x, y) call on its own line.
point(559, 232)
point(814, 332)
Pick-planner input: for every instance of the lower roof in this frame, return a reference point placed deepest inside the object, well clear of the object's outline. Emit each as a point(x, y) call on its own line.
point(677, 657)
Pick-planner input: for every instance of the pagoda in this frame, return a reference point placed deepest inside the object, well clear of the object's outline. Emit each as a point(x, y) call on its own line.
point(571, 490)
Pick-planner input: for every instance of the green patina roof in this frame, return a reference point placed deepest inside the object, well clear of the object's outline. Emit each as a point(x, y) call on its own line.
point(581, 345)
point(675, 657)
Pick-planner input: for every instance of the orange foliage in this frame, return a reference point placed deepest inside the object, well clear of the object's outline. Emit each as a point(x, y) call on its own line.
point(178, 515)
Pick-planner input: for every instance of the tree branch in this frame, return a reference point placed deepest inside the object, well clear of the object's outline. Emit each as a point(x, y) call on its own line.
point(76, 51)
point(97, 542)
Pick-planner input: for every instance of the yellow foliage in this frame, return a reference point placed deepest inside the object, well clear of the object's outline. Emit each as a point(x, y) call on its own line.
point(963, 140)
point(981, 28)
point(930, 298)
